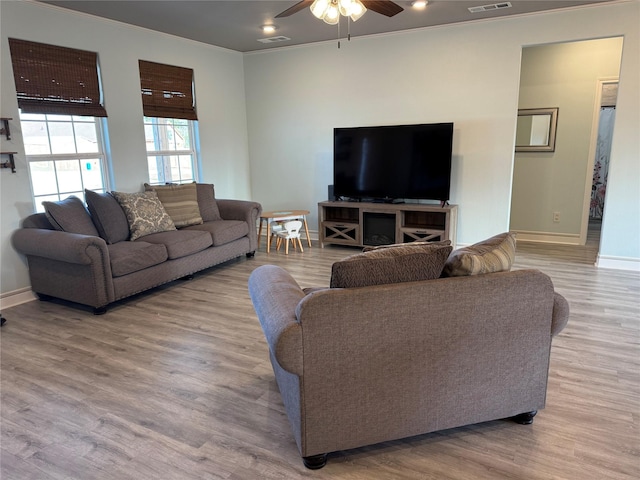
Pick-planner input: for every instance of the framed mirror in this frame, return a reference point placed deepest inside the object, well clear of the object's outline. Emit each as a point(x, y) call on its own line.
point(536, 130)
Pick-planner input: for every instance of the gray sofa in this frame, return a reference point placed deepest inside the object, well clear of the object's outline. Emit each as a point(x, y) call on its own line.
point(359, 366)
point(94, 263)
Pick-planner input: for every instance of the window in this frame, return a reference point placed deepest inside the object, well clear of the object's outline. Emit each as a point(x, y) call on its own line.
point(61, 112)
point(170, 152)
point(169, 122)
point(65, 155)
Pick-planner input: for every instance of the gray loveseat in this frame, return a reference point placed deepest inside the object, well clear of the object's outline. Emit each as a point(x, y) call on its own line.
point(359, 366)
point(87, 257)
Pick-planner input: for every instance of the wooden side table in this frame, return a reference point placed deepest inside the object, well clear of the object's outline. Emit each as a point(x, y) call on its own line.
point(282, 215)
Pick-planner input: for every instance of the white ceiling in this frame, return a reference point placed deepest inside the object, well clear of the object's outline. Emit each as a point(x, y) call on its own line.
point(236, 24)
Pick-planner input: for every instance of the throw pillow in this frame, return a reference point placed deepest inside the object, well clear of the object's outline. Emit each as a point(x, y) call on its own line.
point(207, 202)
point(402, 263)
point(108, 216)
point(495, 254)
point(145, 213)
point(180, 202)
point(70, 215)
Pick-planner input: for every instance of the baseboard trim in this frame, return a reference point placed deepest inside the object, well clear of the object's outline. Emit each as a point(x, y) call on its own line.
point(548, 237)
point(618, 263)
point(16, 297)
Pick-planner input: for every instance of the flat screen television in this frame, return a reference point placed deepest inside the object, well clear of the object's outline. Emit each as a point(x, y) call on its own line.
point(393, 162)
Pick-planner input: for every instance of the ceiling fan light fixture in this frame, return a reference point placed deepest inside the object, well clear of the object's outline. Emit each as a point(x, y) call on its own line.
point(332, 14)
point(419, 4)
point(330, 10)
point(319, 8)
point(268, 28)
point(357, 10)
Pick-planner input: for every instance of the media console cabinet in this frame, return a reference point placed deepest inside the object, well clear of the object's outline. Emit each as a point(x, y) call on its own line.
point(362, 223)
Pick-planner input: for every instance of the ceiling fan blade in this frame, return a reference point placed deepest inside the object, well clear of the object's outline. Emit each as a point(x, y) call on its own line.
point(383, 7)
point(295, 9)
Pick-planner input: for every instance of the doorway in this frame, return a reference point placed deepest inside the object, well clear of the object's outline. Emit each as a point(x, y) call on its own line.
point(551, 190)
point(601, 143)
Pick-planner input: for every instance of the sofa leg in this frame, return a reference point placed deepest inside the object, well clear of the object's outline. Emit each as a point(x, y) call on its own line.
point(99, 310)
point(315, 462)
point(251, 254)
point(525, 418)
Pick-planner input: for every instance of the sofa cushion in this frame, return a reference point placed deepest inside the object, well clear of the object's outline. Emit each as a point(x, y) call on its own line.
point(180, 202)
point(180, 243)
point(145, 213)
point(129, 257)
point(70, 215)
point(495, 254)
point(108, 216)
point(207, 202)
point(223, 231)
point(402, 263)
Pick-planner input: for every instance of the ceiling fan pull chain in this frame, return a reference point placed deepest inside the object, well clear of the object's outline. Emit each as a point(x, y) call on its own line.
point(338, 34)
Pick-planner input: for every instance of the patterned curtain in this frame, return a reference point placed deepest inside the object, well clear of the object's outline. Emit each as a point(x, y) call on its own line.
point(601, 166)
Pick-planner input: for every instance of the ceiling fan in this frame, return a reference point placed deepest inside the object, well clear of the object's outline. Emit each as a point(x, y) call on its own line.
point(383, 7)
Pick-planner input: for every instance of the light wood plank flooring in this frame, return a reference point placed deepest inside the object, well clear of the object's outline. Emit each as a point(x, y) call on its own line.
point(176, 384)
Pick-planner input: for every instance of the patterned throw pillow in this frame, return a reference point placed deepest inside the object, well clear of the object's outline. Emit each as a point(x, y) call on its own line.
point(495, 254)
point(70, 215)
point(401, 263)
point(180, 202)
point(145, 213)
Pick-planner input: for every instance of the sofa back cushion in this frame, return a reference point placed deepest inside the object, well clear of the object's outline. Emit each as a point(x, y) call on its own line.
point(495, 254)
point(108, 216)
point(180, 202)
point(145, 213)
point(70, 215)
point(207, 202)
point(400, 263)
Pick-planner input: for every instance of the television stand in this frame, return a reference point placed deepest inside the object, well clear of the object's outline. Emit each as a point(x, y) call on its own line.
point(368, 223)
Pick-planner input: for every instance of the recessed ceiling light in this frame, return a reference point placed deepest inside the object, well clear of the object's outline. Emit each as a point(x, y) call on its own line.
point(269, 28)
point(419, 3)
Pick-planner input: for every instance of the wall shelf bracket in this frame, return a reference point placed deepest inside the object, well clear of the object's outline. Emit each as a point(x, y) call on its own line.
point(10, 163)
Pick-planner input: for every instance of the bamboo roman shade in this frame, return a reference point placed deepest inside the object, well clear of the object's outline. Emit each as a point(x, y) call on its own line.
point(167, 91)
point(57, 80)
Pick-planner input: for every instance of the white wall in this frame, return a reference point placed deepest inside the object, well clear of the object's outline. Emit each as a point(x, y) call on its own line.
point(468, 74)
point(219, 80)
point(566, 76)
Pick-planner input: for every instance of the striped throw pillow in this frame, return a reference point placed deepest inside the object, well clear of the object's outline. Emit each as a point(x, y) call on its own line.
point(180, 202)
point(495, 254)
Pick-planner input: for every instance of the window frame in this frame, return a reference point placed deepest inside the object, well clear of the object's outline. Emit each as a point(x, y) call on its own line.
point(101, 156)
point(163, 157)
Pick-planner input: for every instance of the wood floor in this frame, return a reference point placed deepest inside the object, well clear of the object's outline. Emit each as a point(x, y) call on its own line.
point(176, 384)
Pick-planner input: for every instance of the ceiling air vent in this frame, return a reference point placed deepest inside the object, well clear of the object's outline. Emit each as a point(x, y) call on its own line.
point(279, 38)
point(488, 8)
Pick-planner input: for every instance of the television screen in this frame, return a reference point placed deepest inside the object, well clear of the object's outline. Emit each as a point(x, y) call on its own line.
point(393, 162)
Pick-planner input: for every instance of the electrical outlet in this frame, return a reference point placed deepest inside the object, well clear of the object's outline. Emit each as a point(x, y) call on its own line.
point(556, 217)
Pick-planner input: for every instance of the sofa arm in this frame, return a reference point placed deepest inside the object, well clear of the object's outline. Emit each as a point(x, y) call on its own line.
point(560, 315)
point(275, 296)
point(66, 265)
point(242, 210)
point(62, 246)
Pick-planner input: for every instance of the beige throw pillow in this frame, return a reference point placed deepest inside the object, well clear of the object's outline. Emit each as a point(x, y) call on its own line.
point(495, 254)
point(145, 213)
point(180, 202)
point(401, 263)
